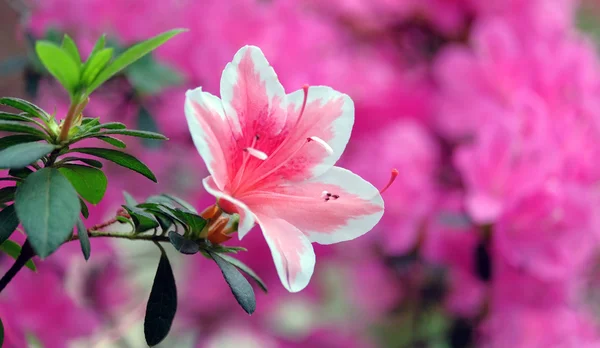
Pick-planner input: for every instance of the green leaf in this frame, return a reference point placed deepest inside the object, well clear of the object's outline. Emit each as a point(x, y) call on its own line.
point(20, 173)
point(133, 133)
point(18, 127)
point(59, 64)
point(95, 64)
point(89, 182)
point(187, 206)
point(142, 220)
point(99, 45)
point(241, 289)
point(1, 333)
point(25, 106)
point(69, 46)
point(195, 223)
point(113, 141)
point(244, 268)
point(132, 54)
point(88, 161)
point(15, 117)
point(120, 158)
point(8, 222)
point(112, 125)
point(7, 194)
point(84, 209)
point(13, 250)
point(162, 303)
point(22, 155)
point(84, 239)
point(183, 245)
point(11, 140)
point(48, 207)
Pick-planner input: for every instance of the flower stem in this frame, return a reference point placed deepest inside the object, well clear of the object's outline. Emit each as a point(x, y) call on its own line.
point(26, 254)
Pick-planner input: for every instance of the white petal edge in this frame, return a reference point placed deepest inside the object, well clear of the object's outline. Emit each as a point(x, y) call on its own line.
point(246, 216)
point(356, 227)
point(341, 126)
point(202, 135)
point(274, 230)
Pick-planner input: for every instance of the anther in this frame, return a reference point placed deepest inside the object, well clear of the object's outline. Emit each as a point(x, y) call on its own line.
point(322, 143)
point(256, 153)
point(392, 178)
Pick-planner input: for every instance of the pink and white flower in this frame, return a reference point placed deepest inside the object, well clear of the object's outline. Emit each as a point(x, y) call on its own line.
point(271, 158)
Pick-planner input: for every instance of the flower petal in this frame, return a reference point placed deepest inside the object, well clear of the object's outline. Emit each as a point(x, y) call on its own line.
point(353, 208)
point(328, 116)
point(292, 252)
point(210, 132)
point(252, 95)
point(246, 216)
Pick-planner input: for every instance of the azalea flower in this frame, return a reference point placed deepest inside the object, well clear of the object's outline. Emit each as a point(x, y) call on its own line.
point(271, 158)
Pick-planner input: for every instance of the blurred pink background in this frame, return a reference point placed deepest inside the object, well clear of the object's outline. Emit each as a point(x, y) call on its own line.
point(490, 110)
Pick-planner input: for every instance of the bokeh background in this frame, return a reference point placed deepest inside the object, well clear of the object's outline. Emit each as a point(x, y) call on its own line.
point(490, 110)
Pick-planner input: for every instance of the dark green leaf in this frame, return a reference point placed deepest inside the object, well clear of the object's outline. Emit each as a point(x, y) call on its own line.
point(13, 250)
point(95, 64)
point(1, 333)
point(68, 45)
point(142, 220)
point(162, 303)
point(8, 222)
point(183, 245)
point(244, 268)
point(187, 206)
point(164, 220)
point(112, 125)
point(241, 289)
point(59, 64)
point(11, 140)
point(22, 155)
point(15, 117)
point(88, 161)
point(48, 207)
point(18, 127)
point(89, 182)
point(84, 209)
point(113, 141)
point(25, 106)
point(89, 122)
point(7, 194)
point(84, 239)
point(20, 173)
point(120, 158)
point(132, 54)
point(193, 222)
point(133, 133)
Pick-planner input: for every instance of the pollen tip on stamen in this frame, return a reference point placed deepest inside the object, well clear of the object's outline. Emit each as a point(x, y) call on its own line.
point(322, 143)
point(256, 153)
point(392, 179)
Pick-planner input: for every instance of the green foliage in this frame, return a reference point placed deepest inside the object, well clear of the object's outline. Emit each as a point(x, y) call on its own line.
point(131, 55)
point(121, 158)
point(162, 303)
point(68, 45)
point(11, 140)
point(142, 220)
point(21, 155)
point(8, 222)
point(25, 106)
point(249, 272)
point(89, 182)
point(84, 239)
point(13, 250)
point(59, 64)
point(241, 289)
point(48, 207)
point(183, 245)
point(19, 127)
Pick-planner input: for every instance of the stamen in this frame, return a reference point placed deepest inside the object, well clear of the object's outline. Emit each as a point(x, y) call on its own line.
point(325, 194)
point(322, 143)
point(392, 178)
point(256, 153)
